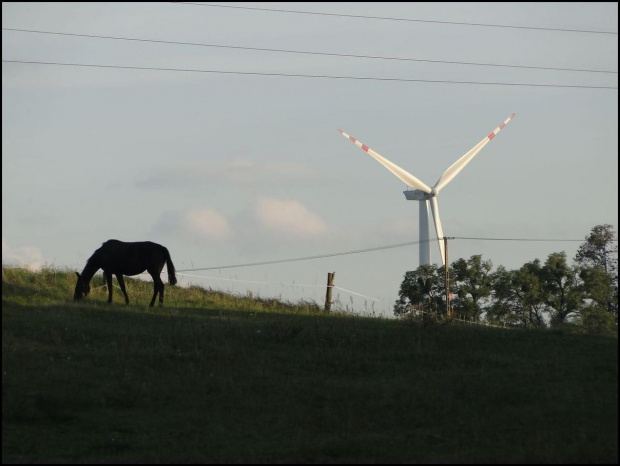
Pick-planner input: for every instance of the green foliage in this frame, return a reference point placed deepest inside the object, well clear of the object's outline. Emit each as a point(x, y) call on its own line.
point(226, 379)
point(560, 286)
point(472, 284)
point(601, 253)
point(599, 249)
point(597, 285)
point(555, 294)
point(517, 298)
point(421, 289)
point(597, 321)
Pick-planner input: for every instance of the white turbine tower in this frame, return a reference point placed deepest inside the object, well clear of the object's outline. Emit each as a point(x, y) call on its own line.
point(424, 194)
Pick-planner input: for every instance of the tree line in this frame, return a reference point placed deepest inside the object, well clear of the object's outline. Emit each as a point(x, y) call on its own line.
point(552, 294)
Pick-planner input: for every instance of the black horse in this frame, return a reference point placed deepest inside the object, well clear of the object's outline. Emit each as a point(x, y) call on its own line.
point(120, 258)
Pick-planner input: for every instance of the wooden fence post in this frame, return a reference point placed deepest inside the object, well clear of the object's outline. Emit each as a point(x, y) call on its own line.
point(328, 294)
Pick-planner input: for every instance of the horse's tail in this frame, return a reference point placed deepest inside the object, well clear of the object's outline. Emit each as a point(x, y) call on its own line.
point(172, 278)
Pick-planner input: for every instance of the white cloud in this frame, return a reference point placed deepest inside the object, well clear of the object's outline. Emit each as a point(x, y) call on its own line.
point(289, 217)
point(207, 223)
point(26, 256)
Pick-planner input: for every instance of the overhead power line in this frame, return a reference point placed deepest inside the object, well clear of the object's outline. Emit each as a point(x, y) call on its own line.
point(378, 248)
point(387, 18)
point(320, 256)
point(255, 73)
point(518, 239)
point(305, 52)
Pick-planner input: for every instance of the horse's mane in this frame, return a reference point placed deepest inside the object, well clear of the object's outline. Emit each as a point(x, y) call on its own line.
point(96, 254)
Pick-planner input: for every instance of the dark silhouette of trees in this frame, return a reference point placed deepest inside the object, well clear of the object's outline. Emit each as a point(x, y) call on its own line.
point(517, 296)
point(600, 252)
point(422, 289)
point(554, 293)
point(473, 283)
point(561, 290)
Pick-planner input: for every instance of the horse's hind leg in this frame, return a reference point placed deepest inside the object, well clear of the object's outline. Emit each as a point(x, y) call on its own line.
point(158, 287)
point(154, 294)
point(161, 294)
point(121, 282)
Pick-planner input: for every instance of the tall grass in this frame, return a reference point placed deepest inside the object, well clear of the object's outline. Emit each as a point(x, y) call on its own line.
point(218, 378)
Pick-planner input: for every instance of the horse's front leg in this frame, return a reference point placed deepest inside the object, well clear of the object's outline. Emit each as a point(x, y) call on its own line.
point(121, 282)
point(108, 279)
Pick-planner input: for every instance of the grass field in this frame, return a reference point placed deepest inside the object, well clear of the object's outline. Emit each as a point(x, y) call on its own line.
point(215, 378)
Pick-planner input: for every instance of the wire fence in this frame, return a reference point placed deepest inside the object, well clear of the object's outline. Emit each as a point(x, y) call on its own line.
point(417, 312)
point(319, 291)
point(412, 311)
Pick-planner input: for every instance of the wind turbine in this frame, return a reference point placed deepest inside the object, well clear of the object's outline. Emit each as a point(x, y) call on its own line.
point(427, 195)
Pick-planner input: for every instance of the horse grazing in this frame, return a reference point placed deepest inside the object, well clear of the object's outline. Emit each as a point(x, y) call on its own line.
point(120, 258)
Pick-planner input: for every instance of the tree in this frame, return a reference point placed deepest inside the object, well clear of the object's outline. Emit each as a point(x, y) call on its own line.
point(597, 286)
point(562, 291)
point(596, 320)
point(600, 252)
point(517, 296)
point(473, 283)
point(422, 288)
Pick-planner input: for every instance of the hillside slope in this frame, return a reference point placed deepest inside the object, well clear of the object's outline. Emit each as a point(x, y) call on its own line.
point(221, 379)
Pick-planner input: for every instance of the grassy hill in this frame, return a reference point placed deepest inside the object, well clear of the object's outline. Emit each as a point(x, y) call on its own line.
point(214, 378)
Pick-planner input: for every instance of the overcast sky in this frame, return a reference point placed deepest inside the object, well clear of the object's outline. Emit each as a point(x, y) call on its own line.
point(242, 165)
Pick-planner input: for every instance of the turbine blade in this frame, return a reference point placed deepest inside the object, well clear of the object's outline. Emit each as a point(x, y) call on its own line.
point(438, 229)
point(457, 166)
point(403, 175)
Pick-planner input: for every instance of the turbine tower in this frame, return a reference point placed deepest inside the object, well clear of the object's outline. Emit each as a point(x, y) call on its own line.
point(427, 195)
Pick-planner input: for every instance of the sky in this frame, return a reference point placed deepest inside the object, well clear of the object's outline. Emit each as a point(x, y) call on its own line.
point(239, 164)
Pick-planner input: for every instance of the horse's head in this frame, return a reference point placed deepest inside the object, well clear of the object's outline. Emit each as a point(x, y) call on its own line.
point(81, 288)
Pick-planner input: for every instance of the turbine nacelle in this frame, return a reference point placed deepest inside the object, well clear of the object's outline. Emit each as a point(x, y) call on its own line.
point(417, 195)
point(425, 193)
